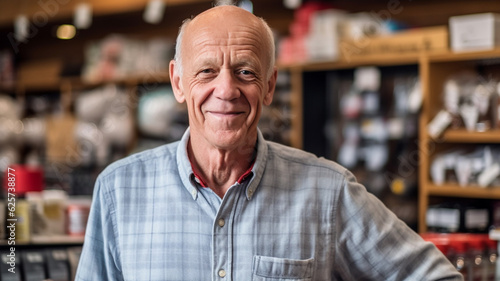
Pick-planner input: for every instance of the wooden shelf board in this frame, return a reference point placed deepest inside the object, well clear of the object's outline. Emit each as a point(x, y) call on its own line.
point(148, 78)
point(50, 240)
point(464, 136)
point(57, 239)
point(473, 191)
point(7, 89)
point(33, 87)
point(452, 56)
point(382, 60)
point(401, 59)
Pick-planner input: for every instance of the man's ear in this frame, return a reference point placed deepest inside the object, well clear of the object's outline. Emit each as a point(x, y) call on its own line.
point(175, 81)
point(271, 85)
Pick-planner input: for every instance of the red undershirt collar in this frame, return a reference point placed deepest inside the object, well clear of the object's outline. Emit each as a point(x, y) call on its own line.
point(240, 179)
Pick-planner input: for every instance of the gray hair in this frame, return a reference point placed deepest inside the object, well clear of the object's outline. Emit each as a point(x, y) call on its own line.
point(182, 29)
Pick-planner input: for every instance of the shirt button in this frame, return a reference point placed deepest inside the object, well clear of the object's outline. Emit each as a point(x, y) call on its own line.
point(222, 222)
point(222, 273)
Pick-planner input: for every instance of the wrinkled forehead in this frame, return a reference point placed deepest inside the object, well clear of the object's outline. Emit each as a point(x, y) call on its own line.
point(238, 31)
point(225, 23)
point(225, 19)
point(236, 35)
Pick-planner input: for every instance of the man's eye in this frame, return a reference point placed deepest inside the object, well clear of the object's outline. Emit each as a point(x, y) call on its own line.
point(246, 72)
point(206, 73)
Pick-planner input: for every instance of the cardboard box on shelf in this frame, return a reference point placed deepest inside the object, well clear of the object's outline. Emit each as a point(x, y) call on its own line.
point(475, 32)
point(60, 140)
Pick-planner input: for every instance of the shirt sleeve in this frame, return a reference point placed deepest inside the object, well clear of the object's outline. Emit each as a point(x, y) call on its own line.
point(100, 259)
point(373, 244)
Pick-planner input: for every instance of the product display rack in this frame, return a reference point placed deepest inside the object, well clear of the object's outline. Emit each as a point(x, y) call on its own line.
point(297, 84)
point(434, 70)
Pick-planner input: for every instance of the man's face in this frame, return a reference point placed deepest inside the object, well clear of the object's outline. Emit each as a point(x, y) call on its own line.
point(224, 80)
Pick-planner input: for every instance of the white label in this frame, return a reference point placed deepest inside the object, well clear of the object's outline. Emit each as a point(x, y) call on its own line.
point(449, 218)
point(476, 218)
point(431, 217)
point(443, 217)
point(34, 257)
point(59, 255)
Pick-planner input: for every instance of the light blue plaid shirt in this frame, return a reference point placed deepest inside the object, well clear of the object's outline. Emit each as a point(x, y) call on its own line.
point(297, 217)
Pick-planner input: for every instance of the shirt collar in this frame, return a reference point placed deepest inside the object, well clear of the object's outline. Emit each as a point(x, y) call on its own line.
point(254, 173)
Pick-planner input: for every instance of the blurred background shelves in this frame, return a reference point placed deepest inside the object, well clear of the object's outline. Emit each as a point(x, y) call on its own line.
point(62, 93)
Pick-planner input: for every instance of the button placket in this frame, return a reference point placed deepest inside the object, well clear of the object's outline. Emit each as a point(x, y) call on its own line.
point(221, 243)
point(222, 235)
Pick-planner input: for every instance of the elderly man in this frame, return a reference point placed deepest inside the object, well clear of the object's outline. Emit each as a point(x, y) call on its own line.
point(225, 204)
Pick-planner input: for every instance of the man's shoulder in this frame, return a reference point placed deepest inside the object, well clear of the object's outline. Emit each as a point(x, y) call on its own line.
point(291, 155)
point(142, 159)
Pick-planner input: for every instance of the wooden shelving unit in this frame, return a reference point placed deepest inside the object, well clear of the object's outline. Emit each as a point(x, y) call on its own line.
point(296, 70)
point(434, 70)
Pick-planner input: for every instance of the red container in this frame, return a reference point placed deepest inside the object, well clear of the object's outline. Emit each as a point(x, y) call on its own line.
point(24, 179)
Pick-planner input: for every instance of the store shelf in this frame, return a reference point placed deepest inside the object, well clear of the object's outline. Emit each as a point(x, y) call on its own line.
point(66, 9)
point(50, 240)
point(381, 60)
point(436, 69)
point(57, 239)
point(472, 191)
point(7, 89)
point(39, 86)
point(464, 136)
point(146, 78)
point(472, 55)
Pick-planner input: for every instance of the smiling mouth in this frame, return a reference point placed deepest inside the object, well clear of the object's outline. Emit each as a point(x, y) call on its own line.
point(224, 113)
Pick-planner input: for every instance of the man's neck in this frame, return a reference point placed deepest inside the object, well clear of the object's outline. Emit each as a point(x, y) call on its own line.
point(220, 168)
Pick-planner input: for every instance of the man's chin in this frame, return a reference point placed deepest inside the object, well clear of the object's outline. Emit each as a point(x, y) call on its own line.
point(232, 139)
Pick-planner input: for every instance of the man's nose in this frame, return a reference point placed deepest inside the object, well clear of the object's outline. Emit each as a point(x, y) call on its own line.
point(226, 86)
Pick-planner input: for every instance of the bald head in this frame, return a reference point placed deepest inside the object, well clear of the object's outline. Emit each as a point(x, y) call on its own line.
point(223, 19)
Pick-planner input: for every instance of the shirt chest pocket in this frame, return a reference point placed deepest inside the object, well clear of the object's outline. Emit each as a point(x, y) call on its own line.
point(277, 269)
